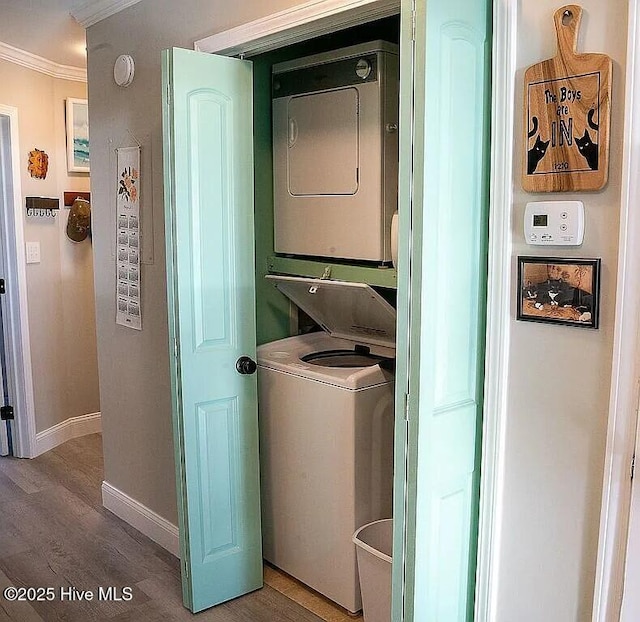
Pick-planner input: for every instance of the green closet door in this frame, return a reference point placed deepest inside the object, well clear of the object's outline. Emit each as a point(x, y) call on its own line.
point(208, 149)
point(445, 55)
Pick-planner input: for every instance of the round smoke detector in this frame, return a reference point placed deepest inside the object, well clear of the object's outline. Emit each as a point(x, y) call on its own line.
point(123, 70)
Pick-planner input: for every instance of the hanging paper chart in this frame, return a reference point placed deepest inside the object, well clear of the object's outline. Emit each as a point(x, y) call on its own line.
point(128, 276)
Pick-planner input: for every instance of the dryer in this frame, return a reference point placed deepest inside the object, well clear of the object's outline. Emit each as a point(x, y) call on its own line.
point(326, 413)
point(335, 153)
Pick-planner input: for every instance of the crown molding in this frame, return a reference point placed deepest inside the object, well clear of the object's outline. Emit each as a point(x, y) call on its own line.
point(90, 12)
point(43, 65)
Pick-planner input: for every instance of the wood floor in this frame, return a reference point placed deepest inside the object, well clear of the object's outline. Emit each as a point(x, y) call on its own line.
point(54, 532)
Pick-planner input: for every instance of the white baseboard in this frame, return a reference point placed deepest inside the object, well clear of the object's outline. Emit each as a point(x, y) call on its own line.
point(152, 525)
point(66, 430)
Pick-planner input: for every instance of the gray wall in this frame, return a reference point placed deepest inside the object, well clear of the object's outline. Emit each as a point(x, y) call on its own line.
point(559, 377)
point(134, 366)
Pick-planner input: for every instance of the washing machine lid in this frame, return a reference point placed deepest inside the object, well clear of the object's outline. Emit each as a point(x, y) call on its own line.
point(352, 311)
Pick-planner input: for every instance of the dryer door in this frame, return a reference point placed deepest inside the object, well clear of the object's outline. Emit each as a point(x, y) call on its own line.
point(323, 143)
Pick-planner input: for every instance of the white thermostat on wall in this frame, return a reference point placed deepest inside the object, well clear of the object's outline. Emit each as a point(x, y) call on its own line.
point(554, 223)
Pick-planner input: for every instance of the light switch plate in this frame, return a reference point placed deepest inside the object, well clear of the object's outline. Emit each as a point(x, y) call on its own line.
point(554, 223)
point(33, 252)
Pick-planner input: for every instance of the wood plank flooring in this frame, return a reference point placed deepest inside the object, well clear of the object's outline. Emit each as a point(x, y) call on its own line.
point(54, 532)
point(308, 598)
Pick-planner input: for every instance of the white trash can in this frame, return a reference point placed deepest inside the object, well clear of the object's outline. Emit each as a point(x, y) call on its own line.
point(374, 543)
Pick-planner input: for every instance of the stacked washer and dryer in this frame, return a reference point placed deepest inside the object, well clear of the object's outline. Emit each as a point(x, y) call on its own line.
point(326, 399)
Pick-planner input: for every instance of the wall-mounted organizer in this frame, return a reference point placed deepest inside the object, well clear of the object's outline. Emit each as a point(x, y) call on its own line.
point(42, 207)
point(70, 197)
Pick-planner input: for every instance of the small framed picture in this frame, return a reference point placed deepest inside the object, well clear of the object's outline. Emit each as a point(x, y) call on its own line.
point(77, 135)
point(559, 290)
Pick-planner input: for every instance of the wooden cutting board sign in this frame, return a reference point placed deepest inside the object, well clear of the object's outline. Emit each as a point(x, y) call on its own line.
point(567, 110)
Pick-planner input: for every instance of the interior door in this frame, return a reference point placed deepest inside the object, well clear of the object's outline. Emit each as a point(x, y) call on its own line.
point(6, 197)
point(445, 83)
point(208, 156)
point(6, 425)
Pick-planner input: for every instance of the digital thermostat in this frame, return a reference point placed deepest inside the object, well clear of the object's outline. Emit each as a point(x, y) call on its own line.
point(556, 223)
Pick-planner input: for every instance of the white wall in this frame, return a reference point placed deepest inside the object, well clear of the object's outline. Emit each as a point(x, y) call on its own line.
point(559, 376)
point(59, 288)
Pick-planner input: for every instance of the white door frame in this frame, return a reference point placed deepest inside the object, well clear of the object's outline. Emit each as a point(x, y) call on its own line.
point(17, 315)
point(623, 404)
point(630, 605)
point(325, 16)
point(499, 296)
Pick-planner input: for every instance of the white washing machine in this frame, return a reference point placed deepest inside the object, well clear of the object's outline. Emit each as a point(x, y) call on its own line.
point(326, 412)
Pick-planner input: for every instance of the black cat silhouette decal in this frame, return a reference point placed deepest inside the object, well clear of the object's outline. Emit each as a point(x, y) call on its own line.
point(587, 148)
point(536, 153)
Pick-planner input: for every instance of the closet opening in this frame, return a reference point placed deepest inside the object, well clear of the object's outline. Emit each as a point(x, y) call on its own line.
point(435, 331)
point(325, 319)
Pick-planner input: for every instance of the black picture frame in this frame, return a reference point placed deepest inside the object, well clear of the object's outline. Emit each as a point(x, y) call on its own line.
point(559, 290)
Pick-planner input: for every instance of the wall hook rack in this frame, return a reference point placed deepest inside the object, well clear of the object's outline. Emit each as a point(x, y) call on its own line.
point(42, 207)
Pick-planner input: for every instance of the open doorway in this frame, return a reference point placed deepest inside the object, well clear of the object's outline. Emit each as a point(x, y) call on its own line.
point(49, 307)
point(312, 455)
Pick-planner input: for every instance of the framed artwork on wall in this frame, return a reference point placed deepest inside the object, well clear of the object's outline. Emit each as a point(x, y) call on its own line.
point(559, 290)
point(77, 135)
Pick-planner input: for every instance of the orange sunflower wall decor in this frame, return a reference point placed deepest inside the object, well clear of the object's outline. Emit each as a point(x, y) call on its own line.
point(38, 164)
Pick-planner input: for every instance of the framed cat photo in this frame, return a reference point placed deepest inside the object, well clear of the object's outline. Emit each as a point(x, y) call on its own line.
point(559, 290)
